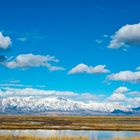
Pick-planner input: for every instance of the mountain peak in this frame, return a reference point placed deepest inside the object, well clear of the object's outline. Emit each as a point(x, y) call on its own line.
point(61, 99)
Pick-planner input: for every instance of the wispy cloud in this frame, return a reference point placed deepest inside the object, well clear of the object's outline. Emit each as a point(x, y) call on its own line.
point(33, 35)
point(22, 39)
point(99, 41)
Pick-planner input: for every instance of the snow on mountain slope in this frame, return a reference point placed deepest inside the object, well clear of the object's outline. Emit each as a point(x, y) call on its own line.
point(37, 104)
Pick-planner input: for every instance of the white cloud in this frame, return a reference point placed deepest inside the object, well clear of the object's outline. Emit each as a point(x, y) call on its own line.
point(126, 76)
point(126, 35)
point(118, 100)
point(11, 85)
point(83, 100)
point(117, 97)
point(5, 41)
point(87, 97)
point(31, 60)
point(123, 96)
point(27, 92)
point(134, 93)
point(121, 90)
point(118, 94)
point(138, 68)
point(34, 92)
point(83, 68)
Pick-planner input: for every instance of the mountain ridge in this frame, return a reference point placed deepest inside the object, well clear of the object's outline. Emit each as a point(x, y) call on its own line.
point(38, 105)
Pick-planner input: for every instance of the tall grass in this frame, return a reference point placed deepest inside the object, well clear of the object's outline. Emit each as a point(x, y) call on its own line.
point(11, 137)
point(28, 137)
point(132, 138)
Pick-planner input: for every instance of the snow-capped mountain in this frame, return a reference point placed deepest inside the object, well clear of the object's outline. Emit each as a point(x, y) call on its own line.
point(31, 105)
point(122, 112)
point(132, 111)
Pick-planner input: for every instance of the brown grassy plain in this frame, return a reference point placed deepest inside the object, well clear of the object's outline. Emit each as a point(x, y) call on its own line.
point(129, 123)
point(11, 137)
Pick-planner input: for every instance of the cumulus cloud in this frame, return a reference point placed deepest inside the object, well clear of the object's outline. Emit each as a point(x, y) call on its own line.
point(121, 90)
point(117, 97)
point(138, 68)
point(134, 93)
point(126, 35)
point(83, 68)
point(5, 41)
point(118, 94)
point(31, 60)
point(126, 76)
point(125, 97)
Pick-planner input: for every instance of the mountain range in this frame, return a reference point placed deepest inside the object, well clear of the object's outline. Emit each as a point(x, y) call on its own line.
point(60, 106)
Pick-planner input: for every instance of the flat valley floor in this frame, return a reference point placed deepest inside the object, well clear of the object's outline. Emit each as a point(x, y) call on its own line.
point(115, 123)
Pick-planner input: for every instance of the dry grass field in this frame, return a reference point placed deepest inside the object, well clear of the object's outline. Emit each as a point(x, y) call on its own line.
point(10, 137)
point(132, 138)
point(128, 123)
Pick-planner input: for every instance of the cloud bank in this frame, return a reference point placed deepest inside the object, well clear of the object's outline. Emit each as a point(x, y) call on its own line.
point(33, 92)
point(119, 99)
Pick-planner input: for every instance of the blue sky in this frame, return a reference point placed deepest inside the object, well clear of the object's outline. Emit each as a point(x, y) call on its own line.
point(75, 32)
